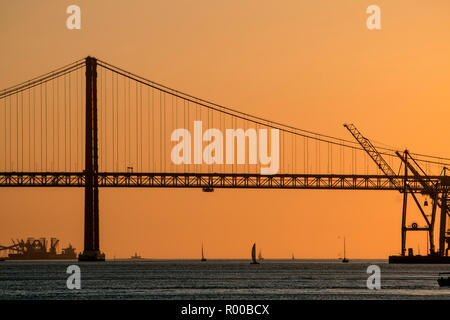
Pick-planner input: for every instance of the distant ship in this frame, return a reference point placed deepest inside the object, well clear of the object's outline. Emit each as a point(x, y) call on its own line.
point(136, 257)
point(416, 259)
point(37, 249)
point(254, 255)
point(429, 258)
point(345, 260)
point(203, 256)
point(444, 282)
point(260, 257)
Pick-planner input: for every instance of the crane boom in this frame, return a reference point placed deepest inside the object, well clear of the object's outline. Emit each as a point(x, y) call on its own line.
point(375, 155)
point(428, 185)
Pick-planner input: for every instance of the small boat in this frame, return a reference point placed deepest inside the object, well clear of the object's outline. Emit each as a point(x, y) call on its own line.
point(203, 256)
point(260, 257)
point(293, 258)
point(345, 260)
point(444, 282)
point(136, 257)
point(254, 255)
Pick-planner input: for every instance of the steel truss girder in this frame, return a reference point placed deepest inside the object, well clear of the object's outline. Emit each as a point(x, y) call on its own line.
point(210, 180)
point(41, 179)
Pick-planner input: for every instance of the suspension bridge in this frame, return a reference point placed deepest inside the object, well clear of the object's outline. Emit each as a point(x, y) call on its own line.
point(93, 125)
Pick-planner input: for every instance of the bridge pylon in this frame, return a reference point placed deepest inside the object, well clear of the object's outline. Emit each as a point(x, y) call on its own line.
point(91, 195)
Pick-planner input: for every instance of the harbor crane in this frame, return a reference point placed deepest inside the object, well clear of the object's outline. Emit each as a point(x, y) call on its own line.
point(438, 191)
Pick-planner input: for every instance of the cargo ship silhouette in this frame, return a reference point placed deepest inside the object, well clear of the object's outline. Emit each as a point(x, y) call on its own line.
point(37, 249)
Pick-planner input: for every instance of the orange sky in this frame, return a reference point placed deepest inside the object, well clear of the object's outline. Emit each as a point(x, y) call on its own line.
point(310, 64)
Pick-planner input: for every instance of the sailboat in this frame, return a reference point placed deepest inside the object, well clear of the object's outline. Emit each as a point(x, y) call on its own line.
point(293, 258)
point(254, 255)
point(345, 260)
point(136, 257)
point(203, 256)
point(260, 257)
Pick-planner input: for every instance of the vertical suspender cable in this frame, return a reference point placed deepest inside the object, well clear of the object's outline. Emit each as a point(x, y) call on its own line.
point(148, 128)
point(129, 120)
point(319, 159)
point(78, 120)
point(125, 120)
point(140, 120)
point(42, 131)
point(106, 122)
point(17, 132)
point(293, 154)
point(65, 123)
point(317, 156)
point(173, 119)
point(5, 134)
point(21, 124)
point(53, 126)
point(331, 158)
point(188, 126)
point(117, 121)
point(153, 131)
point(160, 129)
point(57, 122)
point(46, 129)
point(163, 155)
point(10, 134)
point(136, 124)
point(29, 129)
point(100, 120)
point(113, 123)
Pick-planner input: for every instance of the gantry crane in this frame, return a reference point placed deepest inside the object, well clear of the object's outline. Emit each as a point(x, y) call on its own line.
point(438, 192)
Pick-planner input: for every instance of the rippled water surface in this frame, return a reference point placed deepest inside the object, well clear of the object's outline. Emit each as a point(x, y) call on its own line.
point(219, 279)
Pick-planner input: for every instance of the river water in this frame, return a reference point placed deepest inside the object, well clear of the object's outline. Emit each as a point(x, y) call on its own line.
point(219, 279)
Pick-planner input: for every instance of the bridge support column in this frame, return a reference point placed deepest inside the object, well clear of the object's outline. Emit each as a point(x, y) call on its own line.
point(91, 198)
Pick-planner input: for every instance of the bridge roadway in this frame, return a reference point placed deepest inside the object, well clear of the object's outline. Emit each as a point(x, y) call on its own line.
point(215, 180)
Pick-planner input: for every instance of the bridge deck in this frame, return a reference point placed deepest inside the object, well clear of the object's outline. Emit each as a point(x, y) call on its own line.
point(211, 180)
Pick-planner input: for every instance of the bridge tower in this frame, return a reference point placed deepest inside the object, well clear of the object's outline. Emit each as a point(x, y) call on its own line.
point(91, 201)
